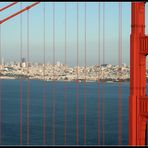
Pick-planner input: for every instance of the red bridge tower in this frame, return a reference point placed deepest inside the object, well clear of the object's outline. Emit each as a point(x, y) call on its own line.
point(138, 100)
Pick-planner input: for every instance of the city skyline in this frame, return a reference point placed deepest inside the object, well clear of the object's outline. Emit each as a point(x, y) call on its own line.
point(23, 60)
point(73, 73)
point(11, 51)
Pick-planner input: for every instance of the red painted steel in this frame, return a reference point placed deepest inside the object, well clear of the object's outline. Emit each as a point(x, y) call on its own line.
point(138, 102)
point(8, 6)
point(2, 21)
point(19, 12)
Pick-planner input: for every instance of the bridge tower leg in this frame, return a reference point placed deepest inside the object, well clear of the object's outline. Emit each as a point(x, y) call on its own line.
point(138, 104)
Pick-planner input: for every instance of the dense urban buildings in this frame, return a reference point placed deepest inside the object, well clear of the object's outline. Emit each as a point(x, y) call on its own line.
point(104, 72)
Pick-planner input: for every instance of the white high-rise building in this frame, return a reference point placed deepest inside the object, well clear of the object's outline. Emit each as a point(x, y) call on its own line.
point(58, 63)
point(23, 64)
point(124, 64)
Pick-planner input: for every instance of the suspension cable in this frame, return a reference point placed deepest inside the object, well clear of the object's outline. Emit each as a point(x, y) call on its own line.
point(77, 82)
point(21, 77)
point(103, 89)
point(44, 68)
point(53, 82)
point(0, 85)
point(5, 7)
point(98, 73)
point(120, 75)
point(85, 79)
point(28, 95)
point(65, 87)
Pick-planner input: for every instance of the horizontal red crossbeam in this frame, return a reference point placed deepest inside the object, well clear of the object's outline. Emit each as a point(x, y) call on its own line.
point(13, 15)
point(1, 9)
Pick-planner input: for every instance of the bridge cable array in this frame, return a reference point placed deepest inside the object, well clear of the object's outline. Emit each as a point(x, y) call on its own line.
point(65, 83)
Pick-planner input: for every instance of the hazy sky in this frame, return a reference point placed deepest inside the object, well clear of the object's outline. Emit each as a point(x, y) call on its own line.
point(11, 32)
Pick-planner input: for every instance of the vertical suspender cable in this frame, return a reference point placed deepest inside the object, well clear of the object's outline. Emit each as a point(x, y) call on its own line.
point(1, 85)
point(103, 93)
point(85, 80)
point(77, 82)
point(65, 87)
point(119, 75)
point(21, 78)
point(53, 86)
point(28, 95)
point(98, 73)
point(44, 68)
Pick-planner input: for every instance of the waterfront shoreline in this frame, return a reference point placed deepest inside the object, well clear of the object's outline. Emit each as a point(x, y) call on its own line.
point(95, 73)
point(106, 81)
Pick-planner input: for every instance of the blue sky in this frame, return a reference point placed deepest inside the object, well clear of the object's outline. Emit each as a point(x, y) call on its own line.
point(11, 32)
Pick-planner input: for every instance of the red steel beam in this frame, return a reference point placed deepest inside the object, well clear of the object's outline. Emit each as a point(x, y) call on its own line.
point(1, 9)
point(13, 15)
point(137, 106)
